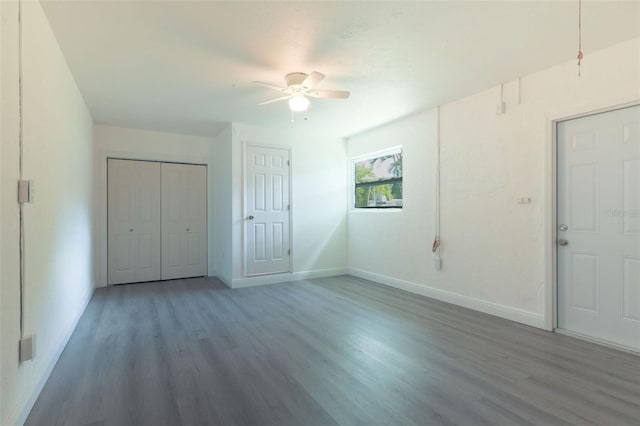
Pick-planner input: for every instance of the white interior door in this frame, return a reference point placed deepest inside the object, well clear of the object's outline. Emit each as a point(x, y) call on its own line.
point(267, 211)
point(184, 220)
point(598, 201)
point(133, 220)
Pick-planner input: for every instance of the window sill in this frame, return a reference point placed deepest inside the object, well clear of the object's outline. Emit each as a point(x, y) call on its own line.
point(376, 209)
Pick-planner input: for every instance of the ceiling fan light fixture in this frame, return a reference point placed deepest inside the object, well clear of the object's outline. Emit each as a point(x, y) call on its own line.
point(298, 103)
point(299, 88)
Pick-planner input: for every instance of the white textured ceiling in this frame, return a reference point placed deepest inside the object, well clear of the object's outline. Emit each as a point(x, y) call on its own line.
point(187, 66)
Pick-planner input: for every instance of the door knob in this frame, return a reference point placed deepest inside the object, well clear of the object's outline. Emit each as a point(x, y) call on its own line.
point(564, 227)
point(563, 242)
point(250, 217)
point(130, 229)
point(187, 229)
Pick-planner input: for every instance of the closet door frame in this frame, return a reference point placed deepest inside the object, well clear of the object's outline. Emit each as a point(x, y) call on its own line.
point(100, 201)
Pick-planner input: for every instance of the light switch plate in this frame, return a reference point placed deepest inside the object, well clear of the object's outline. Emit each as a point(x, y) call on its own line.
point(25, 191)
point(27, 348)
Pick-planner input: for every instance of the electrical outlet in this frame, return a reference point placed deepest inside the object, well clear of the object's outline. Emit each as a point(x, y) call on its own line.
point(437, 262)
point(27, 348)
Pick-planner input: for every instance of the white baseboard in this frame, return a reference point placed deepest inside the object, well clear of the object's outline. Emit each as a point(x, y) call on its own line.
point(290, 276)
point(25, 408)
point(490, 308)
point(612, 345)
point(226, 281)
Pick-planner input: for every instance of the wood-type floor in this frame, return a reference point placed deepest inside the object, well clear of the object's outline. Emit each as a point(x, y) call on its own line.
point(332, 351)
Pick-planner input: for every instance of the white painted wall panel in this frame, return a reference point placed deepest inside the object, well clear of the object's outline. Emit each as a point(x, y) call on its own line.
point(493, 249)
point(57, 139)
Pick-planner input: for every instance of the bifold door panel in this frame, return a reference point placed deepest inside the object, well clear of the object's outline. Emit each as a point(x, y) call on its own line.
point(184, 230)
point(157, 221)
point(133, 221)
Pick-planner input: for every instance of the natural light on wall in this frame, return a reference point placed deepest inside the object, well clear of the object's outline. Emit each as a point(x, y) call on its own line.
point(377, 179)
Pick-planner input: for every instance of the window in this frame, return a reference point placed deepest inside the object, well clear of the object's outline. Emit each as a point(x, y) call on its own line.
point(378, 179)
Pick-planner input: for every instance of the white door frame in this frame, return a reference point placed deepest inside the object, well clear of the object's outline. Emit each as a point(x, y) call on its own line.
point(246, 145)
point(549, 202)
point(100, 201)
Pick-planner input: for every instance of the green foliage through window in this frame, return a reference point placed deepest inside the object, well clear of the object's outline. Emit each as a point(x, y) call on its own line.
point(378, 180)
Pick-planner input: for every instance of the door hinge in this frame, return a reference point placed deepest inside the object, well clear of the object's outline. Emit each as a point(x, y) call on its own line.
point(289, 252)
point(288, 207)
point(288, 163)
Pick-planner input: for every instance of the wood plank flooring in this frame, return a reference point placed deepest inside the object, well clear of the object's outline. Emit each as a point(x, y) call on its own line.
point(334, 351)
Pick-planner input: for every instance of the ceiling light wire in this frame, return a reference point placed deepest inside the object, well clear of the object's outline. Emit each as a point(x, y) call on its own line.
point(21, 242)
point(580, 55)
point(435, 248)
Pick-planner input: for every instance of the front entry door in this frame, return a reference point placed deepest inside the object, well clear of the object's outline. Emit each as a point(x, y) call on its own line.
point(598, 208)
point(267, 210)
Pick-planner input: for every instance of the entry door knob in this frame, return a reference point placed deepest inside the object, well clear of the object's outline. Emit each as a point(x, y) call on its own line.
point(250, 217)
point(564, 227)
point(563, 242)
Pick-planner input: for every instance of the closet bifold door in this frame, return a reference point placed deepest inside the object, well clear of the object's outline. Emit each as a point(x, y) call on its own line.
point(184, 220)
point(133, 220)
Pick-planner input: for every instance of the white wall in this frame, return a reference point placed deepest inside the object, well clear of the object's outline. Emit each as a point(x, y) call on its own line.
point(318, 202)
point(222, 217)
point(495, 252)
point(136, 144)
point(58, 243)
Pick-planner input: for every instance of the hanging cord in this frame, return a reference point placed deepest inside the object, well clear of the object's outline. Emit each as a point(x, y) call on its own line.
point(20, 170)
point(580, 55)
point(435, 248)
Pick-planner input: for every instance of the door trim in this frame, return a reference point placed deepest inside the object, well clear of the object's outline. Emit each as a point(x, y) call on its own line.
point(245, 146)
point(549, 199)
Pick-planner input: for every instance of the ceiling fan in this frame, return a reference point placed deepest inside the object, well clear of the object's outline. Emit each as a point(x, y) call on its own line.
point(299, 86)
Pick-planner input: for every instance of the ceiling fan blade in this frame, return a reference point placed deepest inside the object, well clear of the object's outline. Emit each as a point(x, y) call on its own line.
point(275, 100)
point(312, 79)
point(329, 94)
point(270, 86)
